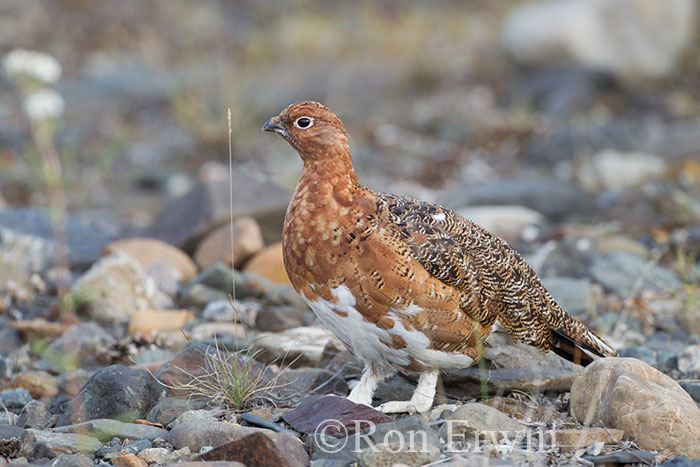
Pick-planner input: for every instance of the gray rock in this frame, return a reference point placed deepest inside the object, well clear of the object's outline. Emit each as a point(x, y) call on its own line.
point(555, 199)
point(158, 456)
point(632, 39)
point(576, 296)
point(14, 399)
point(105, 429)
point(193, 416)
point(116, 286)
point(206, 207)
point(196, 435)
point(198, 295)
point(78, 347)
point(10, 431)
point(627, 274)
point(118, 392)
point(37, 444)
point(478, 419)
point(6, 368)
point(280, 318)
point(35, 415)
point(371, 446)
point(611, 169)
point(566, 258)
point(72, 460)
point(689, 361)
point(169, 408)
point(33, 231)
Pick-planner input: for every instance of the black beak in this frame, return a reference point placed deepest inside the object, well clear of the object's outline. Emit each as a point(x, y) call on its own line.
point(273, 126)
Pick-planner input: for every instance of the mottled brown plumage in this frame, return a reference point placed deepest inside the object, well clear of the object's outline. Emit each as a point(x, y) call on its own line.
point(403, 283)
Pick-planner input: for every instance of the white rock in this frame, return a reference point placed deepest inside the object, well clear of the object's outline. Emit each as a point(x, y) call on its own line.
point(632, 39)
point(689, 360)
point(612, 169)
point(116, 286)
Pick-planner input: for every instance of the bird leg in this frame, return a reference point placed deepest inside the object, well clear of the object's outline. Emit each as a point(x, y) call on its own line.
point(364, 389)
point(422, 398)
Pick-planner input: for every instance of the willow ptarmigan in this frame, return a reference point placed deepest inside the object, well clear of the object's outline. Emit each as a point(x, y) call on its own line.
point(404, 284)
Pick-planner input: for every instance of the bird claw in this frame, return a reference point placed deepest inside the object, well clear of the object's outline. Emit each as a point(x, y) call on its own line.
point(399, 407)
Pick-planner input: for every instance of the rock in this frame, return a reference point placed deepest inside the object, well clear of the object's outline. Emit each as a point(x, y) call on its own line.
point(216, 246)
point(281, 318)
point(610, 169)
point(225, 333)
point(198, 295)
point(631, 456)
point(220, 310)
point(78, 347)
point(160, 456)
point(150, 321)
point(10, 431)
point(347, 417)
point(39, 385)
point(521, 410)
point(571, 440)
point(15, 398)
point(149, 250)
point(632, 39)
point(689, 361)
point(169, 408)
point(555, 199)
point(692, 388)
point(647, 405)
point(620, 243)
point(118, 392)
point(198, 434)
point(294, 383)
point(625, 273)
point(206, 207)
point(409, 442)
point(467, 382)
point(105, 429)
point(512, 223)
point(195, 361)
point(128, 460)
point(116, 447)
point(116, 286)
point(72, 460)
point(27, 242)
point(192, 416)
point(373, 446)
point(302, 346)
point(474, 419)
point(39, 327)
point(35, 415)
point(269, 264)
point(37, 444)
point(264, 447)
point(576, 296)
point(569, 257)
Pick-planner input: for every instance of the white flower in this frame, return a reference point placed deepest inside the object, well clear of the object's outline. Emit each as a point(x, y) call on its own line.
point(38, 65)
point(44, 104)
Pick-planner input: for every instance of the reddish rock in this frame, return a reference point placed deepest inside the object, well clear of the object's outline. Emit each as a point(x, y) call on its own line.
point(216, 246)
point(307, 417)
point(149, 250)
point(264, 448)
point(268, 263)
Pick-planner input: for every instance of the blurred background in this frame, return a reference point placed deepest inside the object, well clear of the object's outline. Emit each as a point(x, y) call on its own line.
point(570, 128)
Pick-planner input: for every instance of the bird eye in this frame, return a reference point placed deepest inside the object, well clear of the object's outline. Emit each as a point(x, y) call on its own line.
point(304, 122)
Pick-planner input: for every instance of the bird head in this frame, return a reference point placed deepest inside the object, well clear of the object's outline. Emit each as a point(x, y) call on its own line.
point(312, 129)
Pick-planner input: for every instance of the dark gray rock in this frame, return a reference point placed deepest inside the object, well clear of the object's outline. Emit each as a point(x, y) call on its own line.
point(692, 388)
point(626, 273)
point(118, 392)
point(206, 207)
point(568, 258)
point(14, 399)
point(558, 200)
point(78, 347)
point(104, 429)
point(681, 461)
point(37, 444)
point(35, 415)
point(632, 456)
